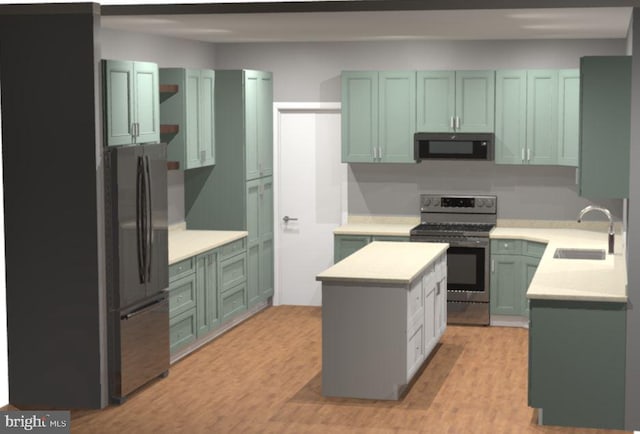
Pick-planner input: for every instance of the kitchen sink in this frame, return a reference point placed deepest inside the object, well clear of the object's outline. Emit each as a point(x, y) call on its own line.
point(592, 254)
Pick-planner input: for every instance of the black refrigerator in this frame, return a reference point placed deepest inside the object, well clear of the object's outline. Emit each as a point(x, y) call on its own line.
point(137, 266)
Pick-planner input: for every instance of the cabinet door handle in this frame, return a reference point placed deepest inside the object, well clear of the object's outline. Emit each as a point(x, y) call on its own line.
point(493, 266)
point(457, 122)
point(528, 154)
point(523, 154)
point(452, 123)
point(379, 153)
point(374, 150)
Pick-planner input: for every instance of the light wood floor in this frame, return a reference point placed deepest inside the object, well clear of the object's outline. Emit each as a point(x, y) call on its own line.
point(263, 377)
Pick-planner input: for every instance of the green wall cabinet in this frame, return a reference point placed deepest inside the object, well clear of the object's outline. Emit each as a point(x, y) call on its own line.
point(537, 117)
point(455, 101)
point(577, 363)
point(345, 245)
point(605, 122)
point(378, 116)
point(258, 115)
point(132, 113)
point(205, 292)
point(237, 193)
point(513, 265)
point(191, 108)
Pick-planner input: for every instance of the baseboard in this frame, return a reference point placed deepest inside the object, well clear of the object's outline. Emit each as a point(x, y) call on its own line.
point(509, 321)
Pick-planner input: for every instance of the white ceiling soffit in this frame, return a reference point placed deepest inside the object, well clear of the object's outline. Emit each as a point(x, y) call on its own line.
point(561, 23)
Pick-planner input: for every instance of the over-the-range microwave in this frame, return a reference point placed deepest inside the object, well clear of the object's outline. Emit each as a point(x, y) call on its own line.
point(454, 146)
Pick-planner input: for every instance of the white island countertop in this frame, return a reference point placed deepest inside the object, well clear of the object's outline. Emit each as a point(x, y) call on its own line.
point(385, 262)
point(573, 279)
point(184, 243)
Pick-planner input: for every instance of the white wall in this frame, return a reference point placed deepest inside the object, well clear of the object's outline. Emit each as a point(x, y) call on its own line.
point(311, 72)
point(166, 52)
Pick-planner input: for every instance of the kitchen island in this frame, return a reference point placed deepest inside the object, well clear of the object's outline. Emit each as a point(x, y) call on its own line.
point(383, 312)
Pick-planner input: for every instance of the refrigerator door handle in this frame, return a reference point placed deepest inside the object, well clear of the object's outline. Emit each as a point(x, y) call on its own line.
point(149, 215)
point(140, 219)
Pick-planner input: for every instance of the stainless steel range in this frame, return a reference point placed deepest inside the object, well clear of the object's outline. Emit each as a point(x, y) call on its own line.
point(464, 222)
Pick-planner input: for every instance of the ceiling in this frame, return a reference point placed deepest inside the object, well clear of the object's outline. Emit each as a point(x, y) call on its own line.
point(556, 23)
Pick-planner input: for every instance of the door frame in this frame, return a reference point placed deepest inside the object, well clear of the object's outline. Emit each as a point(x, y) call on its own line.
point(280, 108)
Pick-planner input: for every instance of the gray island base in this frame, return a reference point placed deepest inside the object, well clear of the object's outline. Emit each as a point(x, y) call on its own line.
point(383, 312)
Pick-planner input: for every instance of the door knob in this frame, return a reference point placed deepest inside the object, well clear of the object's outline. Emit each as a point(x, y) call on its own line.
point(287, 219)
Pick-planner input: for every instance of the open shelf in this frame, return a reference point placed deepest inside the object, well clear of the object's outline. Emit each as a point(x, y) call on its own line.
point(169, 129)
point(169, 88)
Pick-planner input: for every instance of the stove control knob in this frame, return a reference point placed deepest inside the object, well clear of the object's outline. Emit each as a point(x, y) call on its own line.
point(480, 202)
point(426, 202)
point(488, 203)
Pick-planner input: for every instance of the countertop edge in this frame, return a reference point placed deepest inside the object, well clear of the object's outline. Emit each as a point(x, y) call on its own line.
point(233, 236)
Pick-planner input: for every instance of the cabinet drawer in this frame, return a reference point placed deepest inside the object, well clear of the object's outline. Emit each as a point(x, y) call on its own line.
point(415, 351)
point(234, 301)
point(180, 269)
point(182, 295)
point(233, 248)
point(389, 238)
point(535, 250)
point(182, 330)
point(513, 247)
point(233, 271)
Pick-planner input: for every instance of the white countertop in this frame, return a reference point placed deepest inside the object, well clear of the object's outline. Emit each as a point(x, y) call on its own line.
point(573, 279)
point(385, 262)
point(186, 243)
point(383, 229)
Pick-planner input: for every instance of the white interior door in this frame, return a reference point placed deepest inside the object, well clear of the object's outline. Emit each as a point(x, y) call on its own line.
point(311, 192)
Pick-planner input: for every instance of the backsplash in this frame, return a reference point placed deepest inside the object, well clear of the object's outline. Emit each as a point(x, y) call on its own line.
point(524, 192)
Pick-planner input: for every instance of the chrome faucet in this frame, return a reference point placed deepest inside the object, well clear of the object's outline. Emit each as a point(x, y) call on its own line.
point(605, 212)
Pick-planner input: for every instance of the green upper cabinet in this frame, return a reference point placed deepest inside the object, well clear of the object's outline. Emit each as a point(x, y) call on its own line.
point(536, 117)
point(378, 116)
point(436, 100)
point(258, 96)
point(568, 116)
point(131, 101)
point(455, 101)
point(542, 118)
point(605, 121)
point(511, 116)
point(188, 103)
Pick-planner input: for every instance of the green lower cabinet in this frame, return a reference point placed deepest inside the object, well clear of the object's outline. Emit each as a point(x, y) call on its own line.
point(513, 265)
point(205, 291)
point(234, 301)
point(208, 316)
point(345, 245)
point(182, 330)
point(182, 295)
point(506, 285)
point(577, 363)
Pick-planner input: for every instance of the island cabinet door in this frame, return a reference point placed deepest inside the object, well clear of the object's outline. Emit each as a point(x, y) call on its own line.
point(429, 284)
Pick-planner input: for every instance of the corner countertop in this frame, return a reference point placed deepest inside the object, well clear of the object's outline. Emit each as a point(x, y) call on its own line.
point(573, 279)
point(385, 262)
point(185, 243)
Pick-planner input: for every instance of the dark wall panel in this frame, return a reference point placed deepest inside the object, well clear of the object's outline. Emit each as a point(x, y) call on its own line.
point(47, 77)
